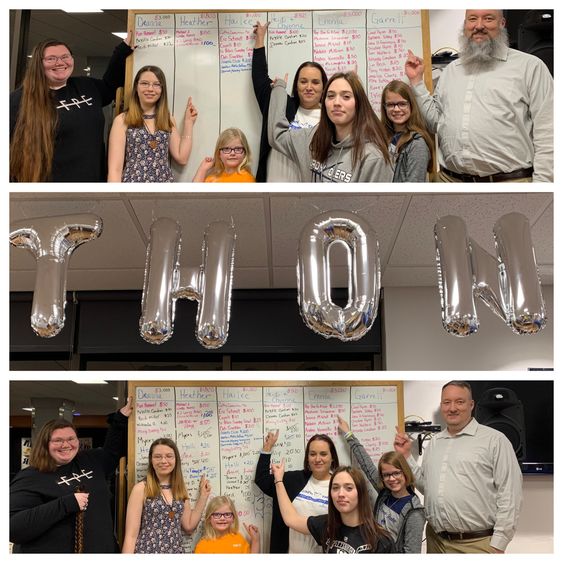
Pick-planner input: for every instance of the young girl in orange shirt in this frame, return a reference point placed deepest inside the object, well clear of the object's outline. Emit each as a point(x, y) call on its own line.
point(220, 530)
point(231, 161)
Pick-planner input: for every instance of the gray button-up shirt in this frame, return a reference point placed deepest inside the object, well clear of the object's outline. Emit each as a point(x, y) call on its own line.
point(471, 481)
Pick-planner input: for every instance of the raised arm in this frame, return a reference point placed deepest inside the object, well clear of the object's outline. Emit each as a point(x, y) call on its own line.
point(279, 134)
point(359, 452)
point(290, 516)
point(191, 518)
point(402, 444)
point(254, 535)
point(414, 68)
point(263, 478)
point(181, 143)
point(260, 80)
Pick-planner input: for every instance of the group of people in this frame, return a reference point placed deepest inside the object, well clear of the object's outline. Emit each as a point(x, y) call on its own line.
point(492, 112)
point(469, 476)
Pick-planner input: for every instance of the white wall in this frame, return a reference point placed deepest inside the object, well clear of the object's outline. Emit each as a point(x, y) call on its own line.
point(445, 27)
point(414, 338)
point(535, 525)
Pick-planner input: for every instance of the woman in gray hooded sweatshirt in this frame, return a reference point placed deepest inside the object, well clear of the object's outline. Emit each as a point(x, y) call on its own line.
point(349, 143)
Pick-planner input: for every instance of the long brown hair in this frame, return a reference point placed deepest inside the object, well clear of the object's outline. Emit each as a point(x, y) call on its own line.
point(369, 528)
point(134, 113)
point(398, 461)
point(414, 124)
point(366, 127)
point(40, 457)
point(33, 141)
point(177, 485)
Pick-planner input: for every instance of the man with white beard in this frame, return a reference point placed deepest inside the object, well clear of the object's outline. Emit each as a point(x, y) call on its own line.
point(492, 108)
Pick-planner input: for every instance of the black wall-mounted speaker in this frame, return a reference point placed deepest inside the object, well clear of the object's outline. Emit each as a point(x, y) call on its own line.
point(535, 36)
point(501, 409)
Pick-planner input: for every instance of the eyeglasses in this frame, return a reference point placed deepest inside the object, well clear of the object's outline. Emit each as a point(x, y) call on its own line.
point(400, 105)
point(61, 441)
point(219, 515)
point(394, 475)
point(160, 457)
point(155, 85)
point(52, 59)
point(229, 150)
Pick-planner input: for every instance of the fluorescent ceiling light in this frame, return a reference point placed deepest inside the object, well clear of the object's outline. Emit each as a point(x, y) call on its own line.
point(89, 381)
point(30, 409)
point(115, 398)
point(120, 34)
point(82, 11)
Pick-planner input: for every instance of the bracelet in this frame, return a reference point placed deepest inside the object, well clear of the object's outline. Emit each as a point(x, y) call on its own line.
point(276, 482)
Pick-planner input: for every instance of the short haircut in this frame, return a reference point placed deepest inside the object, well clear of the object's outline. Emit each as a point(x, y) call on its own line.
point(459, 383)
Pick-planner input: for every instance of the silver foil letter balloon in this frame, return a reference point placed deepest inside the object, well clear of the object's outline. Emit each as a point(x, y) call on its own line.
point(210, 284)
point(508, 284)
point(318, 311)
point(455, 280)
point(52, 240)
point(520, 285)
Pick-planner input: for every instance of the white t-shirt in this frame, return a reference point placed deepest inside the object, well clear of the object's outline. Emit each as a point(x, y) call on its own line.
point(311, 501)
point(280, 168)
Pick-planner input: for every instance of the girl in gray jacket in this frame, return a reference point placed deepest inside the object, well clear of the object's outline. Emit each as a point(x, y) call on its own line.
point(397, 508)
point(410, 144)
point(348, 144)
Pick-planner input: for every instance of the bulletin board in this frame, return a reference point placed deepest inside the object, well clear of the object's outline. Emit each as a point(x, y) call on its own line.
point(208, 55)
point(219, 430)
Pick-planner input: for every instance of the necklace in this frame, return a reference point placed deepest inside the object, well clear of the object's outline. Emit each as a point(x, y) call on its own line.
point(171, 513)
point(149, 115)
point(165, 486)
point(153, 142)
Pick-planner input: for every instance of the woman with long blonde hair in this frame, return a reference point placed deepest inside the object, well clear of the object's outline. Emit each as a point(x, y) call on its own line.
point(159, 508)
point(145, 136)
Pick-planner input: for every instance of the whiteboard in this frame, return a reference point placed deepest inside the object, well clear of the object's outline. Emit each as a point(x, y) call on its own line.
point(208, 55)
point(220, 429)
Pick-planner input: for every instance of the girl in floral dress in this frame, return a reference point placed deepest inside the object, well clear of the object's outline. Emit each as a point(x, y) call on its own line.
point(159, 507)
point(144, 137)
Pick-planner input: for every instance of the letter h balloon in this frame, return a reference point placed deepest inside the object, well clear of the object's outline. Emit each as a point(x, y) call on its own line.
point(210, 284)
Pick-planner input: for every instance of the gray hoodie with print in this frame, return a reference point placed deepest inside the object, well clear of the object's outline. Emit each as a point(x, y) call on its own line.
point(295, 143)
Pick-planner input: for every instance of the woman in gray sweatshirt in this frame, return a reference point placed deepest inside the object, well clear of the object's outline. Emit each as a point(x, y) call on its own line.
point(348, 144)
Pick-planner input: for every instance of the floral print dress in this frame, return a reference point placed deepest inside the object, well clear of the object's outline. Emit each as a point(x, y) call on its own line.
point(146, 156)
point(161, 529)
